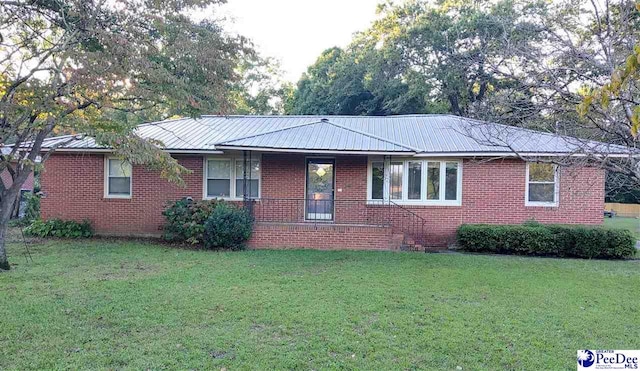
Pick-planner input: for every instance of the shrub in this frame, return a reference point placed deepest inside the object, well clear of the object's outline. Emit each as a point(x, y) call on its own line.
point(228, 227)
point(59, 228)
point(31, 211)
point(547, 240)
point(185, 220)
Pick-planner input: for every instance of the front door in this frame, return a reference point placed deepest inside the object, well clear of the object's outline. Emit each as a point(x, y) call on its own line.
point(320, 184)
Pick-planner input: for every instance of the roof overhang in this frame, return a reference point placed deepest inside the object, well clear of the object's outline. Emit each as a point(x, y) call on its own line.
point(521, 154)
point(109, 150)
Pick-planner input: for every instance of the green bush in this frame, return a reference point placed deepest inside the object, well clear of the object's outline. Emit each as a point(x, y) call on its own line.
point(59, 228)
point(185, 220)
point(228, 227)
point(547, 240)
point(31, 211)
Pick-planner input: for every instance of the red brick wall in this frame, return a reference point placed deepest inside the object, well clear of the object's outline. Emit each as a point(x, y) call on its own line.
point(492, 192)
point(322, 236)
point(73, 185)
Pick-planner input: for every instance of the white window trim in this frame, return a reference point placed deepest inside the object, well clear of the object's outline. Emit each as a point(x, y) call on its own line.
point(405, 182)
point(106, 179)
point(556, 189)
point(232, 179)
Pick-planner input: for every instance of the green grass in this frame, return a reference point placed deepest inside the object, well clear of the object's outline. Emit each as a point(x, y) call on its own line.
point(631, 224)
point(131, 305)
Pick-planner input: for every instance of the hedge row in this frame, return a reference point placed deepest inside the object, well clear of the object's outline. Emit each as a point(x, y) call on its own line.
point(547, 240)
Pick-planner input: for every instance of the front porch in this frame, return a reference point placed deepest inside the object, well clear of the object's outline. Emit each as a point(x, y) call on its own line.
point(308, 201)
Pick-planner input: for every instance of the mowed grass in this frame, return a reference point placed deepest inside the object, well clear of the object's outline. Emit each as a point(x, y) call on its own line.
point(632, 224)
point(132, 305)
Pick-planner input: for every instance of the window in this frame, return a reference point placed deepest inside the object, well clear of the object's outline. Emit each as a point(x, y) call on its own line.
point(433, 180)
point(542, 180)
point(118, 178)
point(377, 180)
point(218, 178)
point(415, 181)
point(224, 178)
point(253, 178)
point(451, 181)
point(395, 191)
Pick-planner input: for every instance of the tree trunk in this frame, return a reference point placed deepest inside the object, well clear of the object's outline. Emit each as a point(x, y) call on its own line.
point(4, 263)
point(6, 206)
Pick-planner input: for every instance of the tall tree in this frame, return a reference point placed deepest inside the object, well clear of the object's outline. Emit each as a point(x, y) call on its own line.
point(90, 66)
point(422, 57)
point(584, 59)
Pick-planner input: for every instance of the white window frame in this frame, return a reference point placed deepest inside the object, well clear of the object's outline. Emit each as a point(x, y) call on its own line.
point(556, 189)
point(232, 176)
point(106, 179)
point(423, 201)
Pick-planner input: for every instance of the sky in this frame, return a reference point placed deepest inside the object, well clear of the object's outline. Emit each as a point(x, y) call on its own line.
point(295, 32)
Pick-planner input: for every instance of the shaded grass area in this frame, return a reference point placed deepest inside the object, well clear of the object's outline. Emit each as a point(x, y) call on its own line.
point(108, 304)
point(632, 224)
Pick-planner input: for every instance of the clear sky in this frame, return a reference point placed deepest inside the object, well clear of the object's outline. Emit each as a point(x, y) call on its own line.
point(296, 31)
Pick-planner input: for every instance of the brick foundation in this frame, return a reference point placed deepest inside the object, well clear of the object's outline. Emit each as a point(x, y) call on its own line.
point(322, 236)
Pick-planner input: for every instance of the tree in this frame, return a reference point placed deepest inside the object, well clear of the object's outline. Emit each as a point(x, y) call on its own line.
point(577, 66)
point(97, 68)
point(622, 91)
point(422, 57)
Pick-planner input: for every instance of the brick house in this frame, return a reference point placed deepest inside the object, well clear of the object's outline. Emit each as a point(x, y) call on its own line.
point(334, 181)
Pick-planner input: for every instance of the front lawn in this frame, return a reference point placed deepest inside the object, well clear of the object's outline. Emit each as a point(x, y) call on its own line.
point(632, 224)
point(101, 304)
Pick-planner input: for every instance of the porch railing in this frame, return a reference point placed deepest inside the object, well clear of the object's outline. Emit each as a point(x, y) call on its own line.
point(354, 212)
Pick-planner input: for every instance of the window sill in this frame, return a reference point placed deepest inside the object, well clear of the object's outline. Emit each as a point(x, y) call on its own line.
point(541, 204)
point(114, 197)
point(415, 203)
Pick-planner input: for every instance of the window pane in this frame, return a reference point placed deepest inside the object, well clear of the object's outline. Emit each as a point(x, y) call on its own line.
point(252, 188)
point(253, 178)
point(119, 168)
point(433, 180)
point(541, 172)
point(415, 180)
point(119, 186)
point(218, 187)
point(451, 184)
point(218, 169)
point(253, 170)
point(396, 181)
point(542, 192)
point(377, 180)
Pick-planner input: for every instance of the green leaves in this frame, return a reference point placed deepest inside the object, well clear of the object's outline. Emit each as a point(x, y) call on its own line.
point(94, 68)
point(421, 57)
point(622, 79)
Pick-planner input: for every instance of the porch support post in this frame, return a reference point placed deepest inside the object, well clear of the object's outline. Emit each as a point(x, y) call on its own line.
point(244, 177)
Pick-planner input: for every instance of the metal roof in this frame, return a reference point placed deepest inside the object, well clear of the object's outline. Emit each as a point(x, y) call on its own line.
point(418, 134)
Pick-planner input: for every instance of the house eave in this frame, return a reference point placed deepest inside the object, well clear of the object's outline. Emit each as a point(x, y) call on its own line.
point(522, 154)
